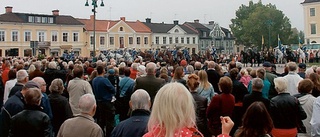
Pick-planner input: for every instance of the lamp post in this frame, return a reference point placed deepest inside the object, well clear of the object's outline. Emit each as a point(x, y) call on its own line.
point(269, 23)
point(95, 5)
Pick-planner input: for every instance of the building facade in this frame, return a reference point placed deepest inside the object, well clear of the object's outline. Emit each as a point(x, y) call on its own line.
point(173, 36)
point(49, 34)
point(311, 11)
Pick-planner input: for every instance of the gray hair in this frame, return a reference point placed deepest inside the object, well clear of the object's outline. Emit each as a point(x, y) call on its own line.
point(135, 66)
point(280, 84)
point(52, 65)
point(21, 75)
point(190, 69)
point(37, 65)
point(151, 67)
point(292, 66)
point(211, 64)
point(56, 86)
point(309, 71)
point(140, 99)
point(257, 84)
point(86, 103)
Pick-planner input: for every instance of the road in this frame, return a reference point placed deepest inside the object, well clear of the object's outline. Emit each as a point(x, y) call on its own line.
point(280, 67)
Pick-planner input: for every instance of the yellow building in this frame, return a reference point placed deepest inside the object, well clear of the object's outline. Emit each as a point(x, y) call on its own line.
point(115, 34)
point(311, 10)
point(51, 34)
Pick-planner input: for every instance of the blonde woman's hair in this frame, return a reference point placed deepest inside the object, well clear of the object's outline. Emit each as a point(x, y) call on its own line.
point(203, 78)
point(173, 109)
point(244, 72)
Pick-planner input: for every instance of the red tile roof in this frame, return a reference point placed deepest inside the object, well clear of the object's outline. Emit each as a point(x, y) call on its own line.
point(138, 26)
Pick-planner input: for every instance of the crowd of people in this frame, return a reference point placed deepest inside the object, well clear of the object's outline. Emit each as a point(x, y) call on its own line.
point(51, 97)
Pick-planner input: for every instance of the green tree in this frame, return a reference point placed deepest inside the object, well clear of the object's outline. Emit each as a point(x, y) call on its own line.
point(254, 21)
point(294, 37)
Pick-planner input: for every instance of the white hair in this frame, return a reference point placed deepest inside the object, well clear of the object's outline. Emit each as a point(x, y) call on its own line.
point(21, 75)
point(31, 68)
point(122, 64)
point(140, 99)
point(52, 65)
point(151, 67)
point(309, 71)
point(280, 84)
point(135, 66)
point(86, 103)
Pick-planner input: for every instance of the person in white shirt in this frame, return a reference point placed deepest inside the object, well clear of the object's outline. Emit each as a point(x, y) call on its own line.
point(293, 78)
point(9, 84)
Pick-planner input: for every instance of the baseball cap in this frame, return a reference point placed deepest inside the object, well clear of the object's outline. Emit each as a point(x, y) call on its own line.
point(302, 66)
point(266, 64)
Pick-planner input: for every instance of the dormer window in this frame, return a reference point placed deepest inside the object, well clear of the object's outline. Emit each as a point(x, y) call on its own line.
point(31, 19)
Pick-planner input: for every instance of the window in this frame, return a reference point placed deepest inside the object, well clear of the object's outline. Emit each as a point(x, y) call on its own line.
point(31, 19)
point(138, 40)
point(44, 20)
point(54, 36)
point(111, 40)
point(2, 35)
point(182, 40)
point(75, 36)
point(164, 40)
point(50, 19)
point(65, 37)
point(177, 40)
point(27, 36)
point(146, 40)
point(121, 29)
point(102, 40)
point(204, 34)
point(313, 29)
point(170, 40)
point(38, 19)
point(157, 40)
point(312, 12)
point(188, 40)
point(176, 31)
point(14, 36)
point(130, 40)
point(91, 40)
point(194, 40)
point(41, 36)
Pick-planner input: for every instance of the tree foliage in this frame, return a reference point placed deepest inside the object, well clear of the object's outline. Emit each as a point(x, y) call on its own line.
point(254, 21)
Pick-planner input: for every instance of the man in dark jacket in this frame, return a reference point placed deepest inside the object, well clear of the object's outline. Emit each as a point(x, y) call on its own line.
point(37, 72)
point(136, 125)
point(13, 106)
point(31, 122)
point(22, 78)
point(213, 76)
point(256, 95)
point(150, 83)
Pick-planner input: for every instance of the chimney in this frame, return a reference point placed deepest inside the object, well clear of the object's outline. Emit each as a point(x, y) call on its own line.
point(176, 22)
point(196, 21)
point(211, 22)
point(148, 20)
point(123, 18)
point(55, 12)
point(8, 9)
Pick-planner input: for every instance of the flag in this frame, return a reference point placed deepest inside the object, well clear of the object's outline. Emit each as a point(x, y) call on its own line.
point(300, 41)
point(279, 42)
point(262, 40)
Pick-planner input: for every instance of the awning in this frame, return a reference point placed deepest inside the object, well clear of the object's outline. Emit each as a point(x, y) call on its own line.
point(55, 50)
point(77, 49)
point(66, 46)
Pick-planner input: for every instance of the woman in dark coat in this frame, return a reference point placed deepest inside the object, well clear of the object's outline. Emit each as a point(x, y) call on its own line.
point(59, 104)
point(201, 104)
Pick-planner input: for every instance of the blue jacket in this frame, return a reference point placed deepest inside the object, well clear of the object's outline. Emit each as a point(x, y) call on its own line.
point(135, 126)
point(14, 105)
point(265, 89)
point(126, 84)
point(103, 89)
point(45, 104)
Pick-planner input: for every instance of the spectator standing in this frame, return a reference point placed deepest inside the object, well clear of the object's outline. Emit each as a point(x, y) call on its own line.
point(9, 84)
point(256, 94)
point(205, 88)
point(293, 78)
point(22, 78)
point(213, 76)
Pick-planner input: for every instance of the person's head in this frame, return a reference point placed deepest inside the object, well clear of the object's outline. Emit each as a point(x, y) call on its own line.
point(52, 65)
point(234, 73)
point(315, 78)
point(257, 84)
point(37, 65)
point(173, 109)
point(33, 96)
point(41, 83)
point(249, 69)
point(134, 66)
point(261, 73)
point(243, 72)
point(12, 74)
point(305, 86)
point(56, 86)
point(31, 68)
point(140, 99)
point(197, 65)
point(78, 71)
point(256, 121)
point(232, 65)
point(308, 72)
point(318, 70)
point(211, 64)
point(178, 73)
point(193, 82)
point(164, 70)
point(87, 104)
point(151, 68)
point(190, 69)
point(100, 70)
point(292, 66)
point(225, 85)
point(93, 74)
point(267, 66)
point(22, 76)
point(302, 67)
point(280, 84)
point(253, 73)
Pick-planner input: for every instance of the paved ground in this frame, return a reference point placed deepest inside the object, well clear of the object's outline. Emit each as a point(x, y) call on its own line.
point(280, 67)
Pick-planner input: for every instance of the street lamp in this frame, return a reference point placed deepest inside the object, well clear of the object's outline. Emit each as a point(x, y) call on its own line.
point(95, 5)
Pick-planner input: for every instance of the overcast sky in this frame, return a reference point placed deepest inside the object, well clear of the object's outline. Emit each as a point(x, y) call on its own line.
point(221, 11)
